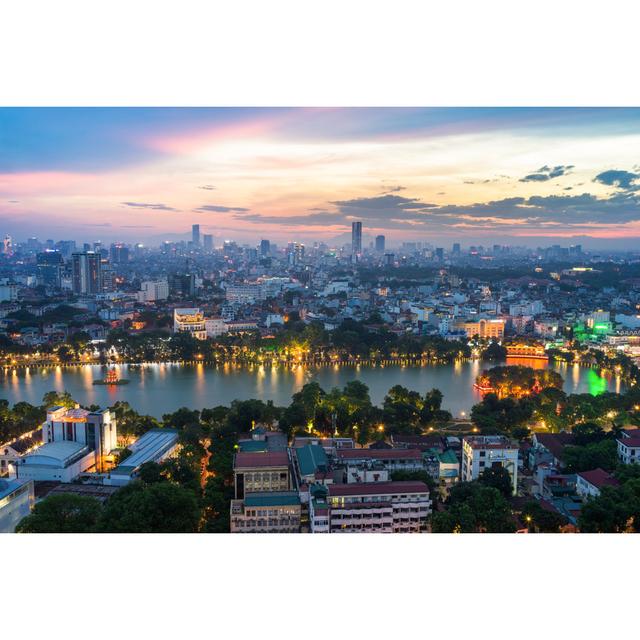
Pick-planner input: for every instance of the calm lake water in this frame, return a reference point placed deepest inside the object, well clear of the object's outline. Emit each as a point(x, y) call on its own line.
point(156, 389)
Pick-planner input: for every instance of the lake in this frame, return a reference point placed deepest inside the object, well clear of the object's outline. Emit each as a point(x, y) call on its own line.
point(156, 389)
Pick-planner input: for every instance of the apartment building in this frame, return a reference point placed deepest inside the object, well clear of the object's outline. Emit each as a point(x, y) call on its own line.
point(369, 507)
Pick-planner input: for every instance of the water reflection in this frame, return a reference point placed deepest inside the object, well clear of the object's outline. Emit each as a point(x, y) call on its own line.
point(162, 388)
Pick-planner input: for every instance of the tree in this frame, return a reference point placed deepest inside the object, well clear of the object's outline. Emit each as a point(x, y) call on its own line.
point(58, 398)
point(603, 454)
point(63, 513)
point(498, 478)
point(541, 520)
point(161, 507)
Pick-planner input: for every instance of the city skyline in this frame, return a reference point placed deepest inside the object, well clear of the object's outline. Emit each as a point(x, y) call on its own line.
point(509, 175)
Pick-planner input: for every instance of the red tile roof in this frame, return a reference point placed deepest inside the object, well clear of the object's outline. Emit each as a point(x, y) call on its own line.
point(599, 478)
point(245, 459)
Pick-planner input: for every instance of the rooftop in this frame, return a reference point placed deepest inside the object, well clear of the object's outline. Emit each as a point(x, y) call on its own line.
point(246, 460)
point(311, 458)
point(380, 454)
point(377, 488)
point(599, 478)
point(63, 452)
point(146, 448)
point(7, 487)
point(271, 499)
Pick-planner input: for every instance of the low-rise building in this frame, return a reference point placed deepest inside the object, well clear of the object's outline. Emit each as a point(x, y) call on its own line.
point(16, 501)
point(629, 446)
point(190, 321)
point(589, 483)
point(486, 452)
point(266, 512)
point(55, 461)
point(377, 507)
point(261, 472)
point(154, 446)
point(389, 459)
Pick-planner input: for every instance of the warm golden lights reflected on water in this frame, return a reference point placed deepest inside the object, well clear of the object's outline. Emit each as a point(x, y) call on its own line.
point(162, 388)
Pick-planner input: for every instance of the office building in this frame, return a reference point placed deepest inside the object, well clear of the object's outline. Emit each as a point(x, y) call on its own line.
point(86, 273)
point(49, 266)
point(484, 328)
point(267, 512)
point(195, 234)
point(190, 321)
point(356, 239)
point(265, 248)
point(16, 501)
point(456, 249)
point(119, 253)
point(369, 507)
point(207, 242)
point(380, 243)
point(487, 452)
point(153, 290)
point(182, 284)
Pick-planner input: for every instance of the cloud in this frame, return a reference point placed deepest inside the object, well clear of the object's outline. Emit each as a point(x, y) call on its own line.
point(621, 179)
point(396, 212)
point(548, 173)
point(207, 187)
point(393, 189)
point(216, 208)
point(148, 205)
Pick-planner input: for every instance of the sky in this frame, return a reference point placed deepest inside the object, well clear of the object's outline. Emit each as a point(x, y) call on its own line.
point(476, 175)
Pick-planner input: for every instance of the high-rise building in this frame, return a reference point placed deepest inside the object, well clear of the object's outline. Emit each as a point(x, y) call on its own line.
point(456, 248)
point(119, 253)
point(86, 273)
point(380, 241)
point(265, 248)
point(195, 233)
point(356, 238)
point(207, 242)
point(49, 269)
point(440, 254)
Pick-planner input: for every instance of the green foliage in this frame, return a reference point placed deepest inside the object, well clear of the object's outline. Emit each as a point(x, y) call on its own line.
point(494, 415)
point(540, 520)
point(472, 507)
point(498, 478)
point(615, 510)
point(603, 454)
point(65, 513)
point(160, 507)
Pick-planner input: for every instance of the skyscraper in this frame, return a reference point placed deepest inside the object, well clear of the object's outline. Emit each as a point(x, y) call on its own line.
point(265, 248)
point(456, 248)
point(356, 238)
point(195, 233)
point(86, 273)
point(207, 242)
point(119, 253)
point(49, 268)
point(380, 240)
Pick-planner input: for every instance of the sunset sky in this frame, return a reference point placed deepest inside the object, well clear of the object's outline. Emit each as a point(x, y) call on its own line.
point(474, 175)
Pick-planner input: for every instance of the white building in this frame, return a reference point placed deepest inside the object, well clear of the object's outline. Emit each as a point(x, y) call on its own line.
point(215, 327)
point(629, 446)
point(95, 429)
point(55, 461)
point(485, 452)
point(152, 290)
point(190, 321)
point(8, 292)
point(589, 483)
point(377, 507)
point(16, 500)
point(244, 293)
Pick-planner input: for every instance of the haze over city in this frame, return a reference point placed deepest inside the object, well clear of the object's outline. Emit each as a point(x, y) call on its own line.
point(514, 176)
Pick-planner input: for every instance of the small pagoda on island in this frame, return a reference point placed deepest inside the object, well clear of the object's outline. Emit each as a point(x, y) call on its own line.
point(112, 379)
